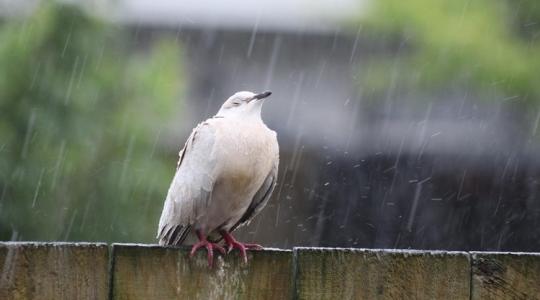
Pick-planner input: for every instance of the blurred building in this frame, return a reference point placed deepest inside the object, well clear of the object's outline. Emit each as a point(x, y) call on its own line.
point(444, 170)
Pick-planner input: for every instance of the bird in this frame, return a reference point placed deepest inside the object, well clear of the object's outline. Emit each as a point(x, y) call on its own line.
point(225, 175)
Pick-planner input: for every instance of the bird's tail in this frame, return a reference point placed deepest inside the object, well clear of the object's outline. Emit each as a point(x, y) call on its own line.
point(173, 235)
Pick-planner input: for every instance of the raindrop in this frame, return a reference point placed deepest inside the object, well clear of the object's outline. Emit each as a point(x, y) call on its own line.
point(67, 97)
point(321, 71)
point(35, 76)
point(28, 133)
point(253, 36)
point(68, 231)
point(273, 59)
point(66, 43)
point(416, 199)
point(355, 44)
point(38, 187)
point(58, 165)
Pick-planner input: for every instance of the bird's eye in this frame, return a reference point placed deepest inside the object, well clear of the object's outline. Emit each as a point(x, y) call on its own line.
point(236, 103)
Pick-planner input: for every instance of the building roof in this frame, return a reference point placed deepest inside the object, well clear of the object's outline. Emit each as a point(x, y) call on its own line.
point(264, 15)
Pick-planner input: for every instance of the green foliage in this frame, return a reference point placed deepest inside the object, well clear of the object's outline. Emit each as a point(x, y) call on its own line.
point(80, 117)
point(479, 44)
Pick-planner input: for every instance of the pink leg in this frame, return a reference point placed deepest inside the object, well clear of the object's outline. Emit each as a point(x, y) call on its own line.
point(203, 242)
point(242, 247)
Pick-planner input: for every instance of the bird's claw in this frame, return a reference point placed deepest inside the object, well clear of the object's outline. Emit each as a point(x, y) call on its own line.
point(209, 248)
point(245, 245)
point(242, 247)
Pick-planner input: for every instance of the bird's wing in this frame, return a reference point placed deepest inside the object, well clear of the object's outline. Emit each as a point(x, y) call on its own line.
point(261, 198)
point(191, 188)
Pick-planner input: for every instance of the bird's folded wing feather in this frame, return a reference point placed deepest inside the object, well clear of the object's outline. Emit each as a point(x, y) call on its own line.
point(190, 190)
point(261, 198)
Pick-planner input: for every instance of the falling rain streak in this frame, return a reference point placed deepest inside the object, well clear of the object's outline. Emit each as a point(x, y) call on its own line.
point(38, 187)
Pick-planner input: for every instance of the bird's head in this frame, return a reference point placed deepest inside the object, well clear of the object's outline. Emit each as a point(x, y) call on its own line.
point(243, 104)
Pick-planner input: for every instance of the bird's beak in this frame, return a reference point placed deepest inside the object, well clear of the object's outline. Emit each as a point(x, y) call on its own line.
point(262, 95)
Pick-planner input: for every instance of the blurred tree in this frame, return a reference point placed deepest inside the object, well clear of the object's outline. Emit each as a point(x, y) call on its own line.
point(483, 45)
point(80, 115)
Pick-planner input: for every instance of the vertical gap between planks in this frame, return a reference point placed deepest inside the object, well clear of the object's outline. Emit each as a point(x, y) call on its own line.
point(111, 251)
point(471, 266)
point(294, 287)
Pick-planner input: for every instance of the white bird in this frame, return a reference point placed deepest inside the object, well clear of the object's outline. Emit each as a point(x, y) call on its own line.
point(225, 175)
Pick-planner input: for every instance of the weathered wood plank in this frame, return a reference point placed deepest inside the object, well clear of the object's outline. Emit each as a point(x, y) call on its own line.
point(53, 271)
point(153, 272)
point(381, 274)
point(505, 275)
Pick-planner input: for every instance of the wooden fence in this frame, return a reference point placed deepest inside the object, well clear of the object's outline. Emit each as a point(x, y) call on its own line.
point(128, 271)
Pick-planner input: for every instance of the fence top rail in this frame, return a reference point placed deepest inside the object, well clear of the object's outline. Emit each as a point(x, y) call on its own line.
point(270, 249)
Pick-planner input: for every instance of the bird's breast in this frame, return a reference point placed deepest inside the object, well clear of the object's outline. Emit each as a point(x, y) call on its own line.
point(247, 155)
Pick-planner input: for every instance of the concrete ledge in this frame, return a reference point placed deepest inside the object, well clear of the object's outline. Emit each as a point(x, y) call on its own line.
point(130, 271)
point(54, 271)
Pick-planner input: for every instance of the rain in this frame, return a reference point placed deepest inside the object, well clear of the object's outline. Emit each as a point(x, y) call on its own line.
point(397, 128)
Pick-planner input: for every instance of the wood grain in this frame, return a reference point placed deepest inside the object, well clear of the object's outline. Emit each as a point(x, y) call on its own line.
point(505, 275)
point(381, 274)
point(152, 272)
point(53, 271)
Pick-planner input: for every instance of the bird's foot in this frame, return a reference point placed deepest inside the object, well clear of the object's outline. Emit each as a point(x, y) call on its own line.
point(232, 243)
point(210, 247)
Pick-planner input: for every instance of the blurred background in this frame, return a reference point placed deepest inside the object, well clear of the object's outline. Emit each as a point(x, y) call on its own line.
point(402, 124)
